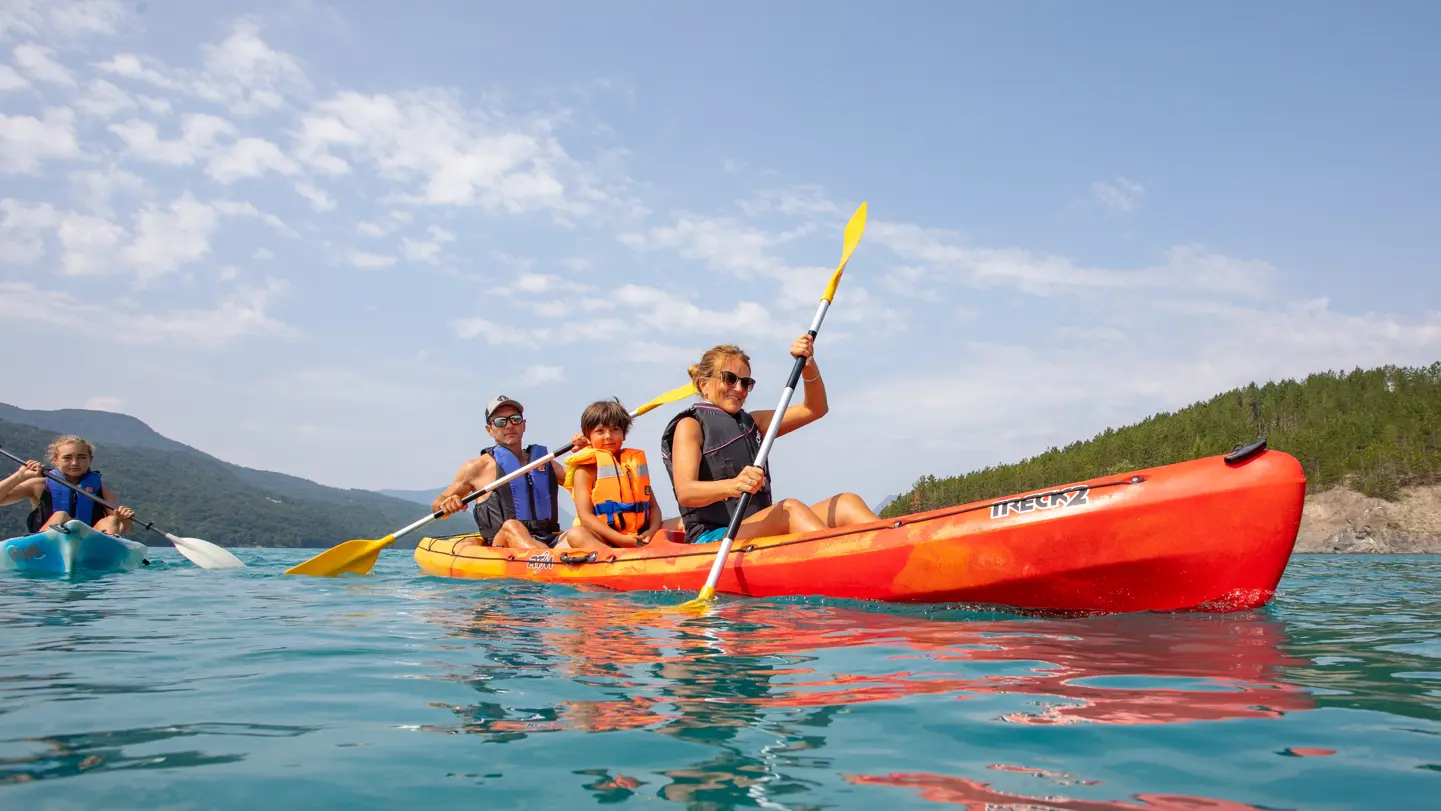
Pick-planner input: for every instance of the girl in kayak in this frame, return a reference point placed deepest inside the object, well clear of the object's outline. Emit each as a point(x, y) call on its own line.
point(709, 450)
point(53, 504)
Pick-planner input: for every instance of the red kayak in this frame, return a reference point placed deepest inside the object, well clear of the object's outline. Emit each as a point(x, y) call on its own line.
point(1212, 534)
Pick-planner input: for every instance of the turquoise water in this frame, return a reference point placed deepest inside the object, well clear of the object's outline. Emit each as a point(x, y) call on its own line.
point(171, 687)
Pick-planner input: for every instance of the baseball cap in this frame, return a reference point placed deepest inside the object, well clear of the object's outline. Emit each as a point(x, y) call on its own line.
point(499, 401)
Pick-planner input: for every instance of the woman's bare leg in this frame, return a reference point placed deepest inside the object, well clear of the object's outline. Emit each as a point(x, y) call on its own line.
point(844, 510)
point(782, 518)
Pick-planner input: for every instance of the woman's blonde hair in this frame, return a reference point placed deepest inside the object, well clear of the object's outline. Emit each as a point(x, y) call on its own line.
point(712, 360)
point(69, 439)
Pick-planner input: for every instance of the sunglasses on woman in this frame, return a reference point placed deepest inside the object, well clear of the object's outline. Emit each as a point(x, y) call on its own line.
point(514, 419)
point(731, 378)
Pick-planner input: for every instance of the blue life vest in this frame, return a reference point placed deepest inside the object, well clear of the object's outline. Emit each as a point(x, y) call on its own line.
point(82, 509)
point(529, 499)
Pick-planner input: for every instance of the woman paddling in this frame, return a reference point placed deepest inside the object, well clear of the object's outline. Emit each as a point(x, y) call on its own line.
point(54, 504)
point(709, 449)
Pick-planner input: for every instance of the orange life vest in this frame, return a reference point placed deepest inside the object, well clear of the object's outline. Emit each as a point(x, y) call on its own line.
point(621, 493)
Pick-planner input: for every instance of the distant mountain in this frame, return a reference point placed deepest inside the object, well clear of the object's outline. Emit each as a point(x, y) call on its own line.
point(189, 492)
point(885, 502)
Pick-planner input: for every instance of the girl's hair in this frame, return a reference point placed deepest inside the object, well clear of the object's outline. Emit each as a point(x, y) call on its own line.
point(605, 412)
point(69, 439)
point(711, 361)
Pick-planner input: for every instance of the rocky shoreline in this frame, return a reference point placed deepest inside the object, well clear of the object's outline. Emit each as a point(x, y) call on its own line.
point(1343, 520)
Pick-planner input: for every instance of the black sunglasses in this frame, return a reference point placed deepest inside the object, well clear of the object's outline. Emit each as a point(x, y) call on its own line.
point(731, 378)
point(513, 419)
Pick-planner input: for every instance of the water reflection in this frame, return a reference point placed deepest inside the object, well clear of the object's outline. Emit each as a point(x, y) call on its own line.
point(759, 682)
point(979, 795)
point(71, 755)
point(732, 667)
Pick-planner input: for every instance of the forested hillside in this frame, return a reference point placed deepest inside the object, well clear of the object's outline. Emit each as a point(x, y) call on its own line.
point(1375, 430)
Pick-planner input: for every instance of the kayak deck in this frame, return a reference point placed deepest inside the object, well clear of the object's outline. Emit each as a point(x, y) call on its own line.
point(70, 549)
point(1211, 534)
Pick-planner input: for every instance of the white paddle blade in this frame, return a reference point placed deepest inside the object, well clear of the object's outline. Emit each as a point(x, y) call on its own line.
point(205, 554)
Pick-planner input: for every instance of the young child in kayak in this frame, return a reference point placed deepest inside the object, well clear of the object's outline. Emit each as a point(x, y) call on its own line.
point(610, 484)
point(54, 504)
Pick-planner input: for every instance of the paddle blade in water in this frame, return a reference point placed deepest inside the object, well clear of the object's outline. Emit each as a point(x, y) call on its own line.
point(205, 554)
point(854, 229)
point(351, 557)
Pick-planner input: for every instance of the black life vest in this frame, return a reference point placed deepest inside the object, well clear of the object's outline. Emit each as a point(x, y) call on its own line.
point(728, 444)
point(529, 499)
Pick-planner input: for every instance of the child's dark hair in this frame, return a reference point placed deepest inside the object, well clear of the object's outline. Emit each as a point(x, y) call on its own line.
point(608, 413)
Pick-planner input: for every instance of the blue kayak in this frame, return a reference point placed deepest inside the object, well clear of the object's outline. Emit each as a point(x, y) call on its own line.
point(71, 548)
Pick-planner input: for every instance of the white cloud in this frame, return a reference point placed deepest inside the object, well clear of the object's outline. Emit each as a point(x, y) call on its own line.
point(168, 238)
point(446, 154)
point(941, 257)
point(88, 244)
point(62, 19)
point(233, 208)
point(246, 74)
point(541, 375)
point(199, 133)
point(10, 80)
point(1119, 196)
point(241, 73)
point(720, 243)
point(141, 69)
point(807, 201)
point(38, 63)
point(365, 259)
point(104, 100)
point(26, 141)
point(263, 253)
point(249, 157)
point(385, 225)
point(426, 250)
point(319, 200)
point(21, 230)
point(240, 314)
point(96, 188)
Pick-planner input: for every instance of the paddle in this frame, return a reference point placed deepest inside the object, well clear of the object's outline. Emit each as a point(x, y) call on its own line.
point(854, 229)
point(358, 556)
point(202, 553)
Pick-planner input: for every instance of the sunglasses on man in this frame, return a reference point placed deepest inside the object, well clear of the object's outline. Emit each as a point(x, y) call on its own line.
point(501, 422)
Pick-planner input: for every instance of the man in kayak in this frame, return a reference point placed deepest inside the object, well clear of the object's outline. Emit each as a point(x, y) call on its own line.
point(709, 450)
point(520, 514)
point(54, 504)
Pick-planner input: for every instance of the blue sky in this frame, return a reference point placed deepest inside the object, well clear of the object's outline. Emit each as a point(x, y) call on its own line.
point(317, 238)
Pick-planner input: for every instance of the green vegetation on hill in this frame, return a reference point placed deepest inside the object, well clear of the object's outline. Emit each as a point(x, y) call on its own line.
point(187, 492)
point(1375, 430)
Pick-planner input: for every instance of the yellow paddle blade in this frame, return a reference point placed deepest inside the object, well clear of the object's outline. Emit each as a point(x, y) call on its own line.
point(698, 606)
point(678, 393)
point(351, 557)
point(854, 229)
